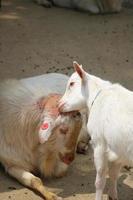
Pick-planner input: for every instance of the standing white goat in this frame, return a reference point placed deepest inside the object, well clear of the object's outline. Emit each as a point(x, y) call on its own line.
point(24, 108)
point(110, 123)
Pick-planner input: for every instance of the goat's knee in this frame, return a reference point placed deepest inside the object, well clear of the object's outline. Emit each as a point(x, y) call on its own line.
point(100, 180)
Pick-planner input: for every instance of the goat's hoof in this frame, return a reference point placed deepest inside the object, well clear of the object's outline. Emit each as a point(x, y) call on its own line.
point(110, 198)
point(52, 196)
point(82, 147)
point(46, 4)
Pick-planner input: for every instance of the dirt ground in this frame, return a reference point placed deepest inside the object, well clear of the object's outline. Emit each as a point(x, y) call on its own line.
point(36, 40)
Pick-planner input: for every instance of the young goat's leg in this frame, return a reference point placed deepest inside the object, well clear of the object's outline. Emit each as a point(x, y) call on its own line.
point(28, 179)
point(114, 169)
point(100, 160)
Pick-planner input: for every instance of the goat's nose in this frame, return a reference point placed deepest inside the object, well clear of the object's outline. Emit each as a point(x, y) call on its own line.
point(70, 158)
point(67, 158)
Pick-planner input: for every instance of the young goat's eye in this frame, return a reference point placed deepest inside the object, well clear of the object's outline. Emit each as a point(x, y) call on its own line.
point(71, 84)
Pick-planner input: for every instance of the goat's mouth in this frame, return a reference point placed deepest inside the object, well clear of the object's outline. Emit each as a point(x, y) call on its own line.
point(71, 113)
point(63, 107)
point(67, 158)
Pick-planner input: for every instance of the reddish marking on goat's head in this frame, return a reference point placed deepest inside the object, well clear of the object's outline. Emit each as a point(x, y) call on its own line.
point(45, 126)
point(67, 158)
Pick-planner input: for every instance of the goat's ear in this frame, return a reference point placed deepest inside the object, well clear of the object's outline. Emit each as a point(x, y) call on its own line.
point(79, 69)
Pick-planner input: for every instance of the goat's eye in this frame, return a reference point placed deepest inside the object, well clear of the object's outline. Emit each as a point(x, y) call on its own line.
point(71, 84)
point(63, 130)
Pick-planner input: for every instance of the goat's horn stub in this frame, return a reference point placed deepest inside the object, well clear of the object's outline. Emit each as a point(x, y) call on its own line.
point(50, 104)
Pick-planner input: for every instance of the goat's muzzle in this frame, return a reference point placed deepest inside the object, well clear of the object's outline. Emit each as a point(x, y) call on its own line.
point(67, 158)
point(60, 107)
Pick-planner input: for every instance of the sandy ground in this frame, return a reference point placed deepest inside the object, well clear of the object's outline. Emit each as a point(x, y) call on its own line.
point(35, 40)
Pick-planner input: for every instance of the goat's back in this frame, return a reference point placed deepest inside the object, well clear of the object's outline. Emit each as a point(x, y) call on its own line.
point(17, 111)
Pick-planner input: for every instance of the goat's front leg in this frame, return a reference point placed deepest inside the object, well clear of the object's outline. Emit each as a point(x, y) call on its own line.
point(114, 169)
point(28, 179)
point(100, 160)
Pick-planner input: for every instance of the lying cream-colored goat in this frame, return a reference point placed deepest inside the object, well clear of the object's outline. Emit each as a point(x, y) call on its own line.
point(22, 114)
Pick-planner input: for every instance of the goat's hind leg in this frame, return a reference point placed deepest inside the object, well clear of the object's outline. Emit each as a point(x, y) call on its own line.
point(114, 169)
point(29, 180)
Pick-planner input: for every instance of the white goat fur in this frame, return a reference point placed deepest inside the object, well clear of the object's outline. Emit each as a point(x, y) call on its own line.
point(20, 151)
point(110, 123)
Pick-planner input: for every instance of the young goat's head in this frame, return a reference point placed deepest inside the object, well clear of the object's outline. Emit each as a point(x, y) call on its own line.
point(74, 97)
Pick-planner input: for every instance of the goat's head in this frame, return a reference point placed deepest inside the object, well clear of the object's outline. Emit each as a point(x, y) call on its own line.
point(62, 141)
point(74, 97)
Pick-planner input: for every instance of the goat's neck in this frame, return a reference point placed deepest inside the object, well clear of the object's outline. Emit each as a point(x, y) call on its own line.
point(94, 87)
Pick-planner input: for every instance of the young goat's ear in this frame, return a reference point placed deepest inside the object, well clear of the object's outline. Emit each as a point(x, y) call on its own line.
point(79, 69)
